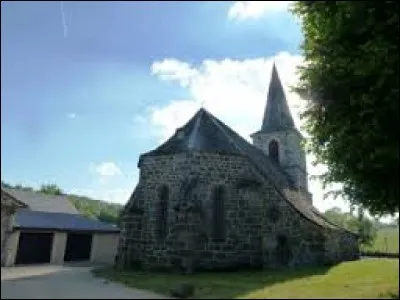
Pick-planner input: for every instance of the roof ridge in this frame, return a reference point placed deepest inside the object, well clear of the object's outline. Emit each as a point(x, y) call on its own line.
point(213, 119)
point(322, 216)
point(195, 129)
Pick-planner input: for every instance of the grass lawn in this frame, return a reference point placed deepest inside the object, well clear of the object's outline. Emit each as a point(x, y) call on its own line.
point(367, 278)
point(391, 245)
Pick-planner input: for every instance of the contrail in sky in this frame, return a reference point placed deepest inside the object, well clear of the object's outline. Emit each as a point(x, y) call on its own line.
point(64, 23)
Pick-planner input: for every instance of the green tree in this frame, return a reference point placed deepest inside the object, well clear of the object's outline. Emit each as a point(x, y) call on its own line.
point(351, 82)
point(51, 189)
point(361, 225)
point(107, 217)
point(336, 216)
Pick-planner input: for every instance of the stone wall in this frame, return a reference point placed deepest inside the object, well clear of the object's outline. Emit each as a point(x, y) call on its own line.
point(189, 240)
point(291, 154)
point(261, 228)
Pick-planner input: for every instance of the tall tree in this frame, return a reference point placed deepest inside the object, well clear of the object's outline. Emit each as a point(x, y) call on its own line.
point(351, 82)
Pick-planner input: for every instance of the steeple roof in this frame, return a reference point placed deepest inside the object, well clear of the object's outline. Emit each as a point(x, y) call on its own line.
point(277, 115)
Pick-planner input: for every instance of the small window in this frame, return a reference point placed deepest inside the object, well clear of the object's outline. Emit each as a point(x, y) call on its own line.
point(162, 215)
point(273, 150)
point(218, 214)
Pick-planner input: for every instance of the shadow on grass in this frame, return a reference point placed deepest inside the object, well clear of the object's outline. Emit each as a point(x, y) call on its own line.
point(393, 295)
point(228, 285)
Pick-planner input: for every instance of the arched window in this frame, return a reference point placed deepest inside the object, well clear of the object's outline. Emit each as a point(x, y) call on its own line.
point(162, 214)
point(273, 150)
point(218, 214)
point(283, 250)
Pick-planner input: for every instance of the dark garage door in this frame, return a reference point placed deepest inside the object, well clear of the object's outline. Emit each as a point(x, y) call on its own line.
point(78, 248)
point(34, 248)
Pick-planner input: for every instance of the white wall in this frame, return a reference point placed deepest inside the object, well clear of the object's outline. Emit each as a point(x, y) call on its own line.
point(11, 248)
point(104, 248)
point(58, 248)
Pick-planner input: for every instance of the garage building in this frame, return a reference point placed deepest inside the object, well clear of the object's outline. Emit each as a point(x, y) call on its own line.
point(51, 230)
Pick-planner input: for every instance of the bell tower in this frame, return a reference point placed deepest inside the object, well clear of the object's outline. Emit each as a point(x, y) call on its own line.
point(279, 138)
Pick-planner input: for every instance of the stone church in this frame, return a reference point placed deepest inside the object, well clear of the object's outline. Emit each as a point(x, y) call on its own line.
point(208, 199)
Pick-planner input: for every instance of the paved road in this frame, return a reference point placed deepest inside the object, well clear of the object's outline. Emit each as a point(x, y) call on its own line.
point(62, 282)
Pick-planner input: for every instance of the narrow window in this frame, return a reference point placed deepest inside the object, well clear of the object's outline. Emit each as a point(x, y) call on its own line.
point(273, 150)
point(218, 214)
point(283, 250)
point(162, 216)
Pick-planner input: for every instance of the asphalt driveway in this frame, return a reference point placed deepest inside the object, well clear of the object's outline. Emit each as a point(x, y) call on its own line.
point(62, 282)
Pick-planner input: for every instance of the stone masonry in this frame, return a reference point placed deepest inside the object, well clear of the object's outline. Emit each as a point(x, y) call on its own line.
point(292, 158)
point(261, 228)
point(207, 199)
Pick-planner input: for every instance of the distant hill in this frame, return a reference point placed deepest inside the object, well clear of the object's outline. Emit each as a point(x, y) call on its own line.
point(96, 209)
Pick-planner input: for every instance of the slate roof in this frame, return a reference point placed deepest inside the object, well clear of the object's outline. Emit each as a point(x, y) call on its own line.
point(205, 133)
point(200, 133)
point(28, 219)
point(42, 202)
point(277, 115)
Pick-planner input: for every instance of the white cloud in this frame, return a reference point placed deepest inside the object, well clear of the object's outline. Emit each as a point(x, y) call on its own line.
point(71, 115)
point(242, 10)
point(167, 119)
point(112, 195)
point(107, 169)
point(234, 91)
point(172, 69)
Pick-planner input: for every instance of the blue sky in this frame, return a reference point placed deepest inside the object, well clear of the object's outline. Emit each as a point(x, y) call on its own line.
point(86, 87)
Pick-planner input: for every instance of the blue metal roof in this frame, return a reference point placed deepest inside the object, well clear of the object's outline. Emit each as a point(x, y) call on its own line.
point(28, 219)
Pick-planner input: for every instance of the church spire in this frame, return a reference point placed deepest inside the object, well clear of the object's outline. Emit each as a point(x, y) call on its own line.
point(277, 115)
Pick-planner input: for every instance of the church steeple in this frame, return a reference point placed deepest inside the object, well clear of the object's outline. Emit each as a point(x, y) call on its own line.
point(277, 115)
point(279, 138)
